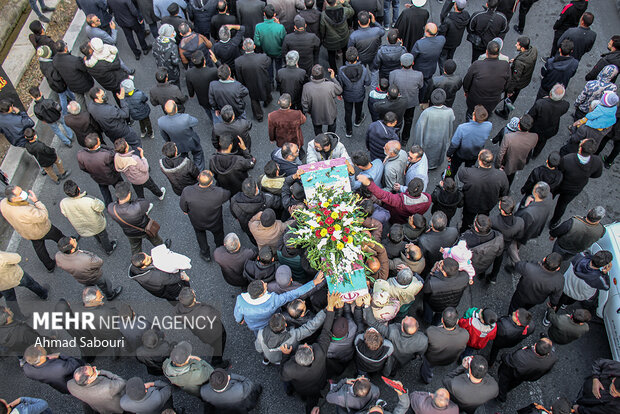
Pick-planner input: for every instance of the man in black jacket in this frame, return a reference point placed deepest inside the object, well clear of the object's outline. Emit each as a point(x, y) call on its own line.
point(81, 122)
point(445, 343)
point(15, 335)
point(49, 112)
point(583, 36)
point(233, 127)
point(558, 69)
point(252, 71)
point(291, 78)
point(153, 351)
point(129, 19)
point(98, 162)
point(388, 56)
point(229, 393)
point(601, 390)
point(577, 169)
point(249, 14)
point(54, 370)
point(437, 236)
point(307, 373)
point(470, 384)
point(178, 169)
point(305, 43)
point(73, 72)
point(231, 258)
point(198, 78)
point(203, 202)
point(227, 91)
point(525, 364)
point(157, 282)
point(535, 211)
point(611, 58)
point(46, 156)
point(132, 217)
point(511, 330)
point(231, 169)
point(485, 243)
point(577, 234)
point(452, 27)
point(538, 282)
point(113, 120)
point(443, 288)
point(212, 332)
point(245, 204)
point(547, 113)
point(486, 25)
point(228, 47)
point(569, 17)
point(164, 91)
point(521, 71)
point(482, 187)
point(511, 228)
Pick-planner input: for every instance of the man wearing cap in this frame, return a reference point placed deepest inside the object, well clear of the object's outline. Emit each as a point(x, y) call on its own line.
point(305, 43)
point(227, 393)
point(283, 282)
point(409, 82)
point(253, 72)
point(410, 23)
point(213, 335)
point(100, 390)
point(434, 129)
point(53, 78)
point(186, 371)
point(150, 397)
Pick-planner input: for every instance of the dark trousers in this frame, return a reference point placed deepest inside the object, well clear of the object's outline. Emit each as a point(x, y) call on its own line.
point(430, 317)
point(456, 162)
point(566, 255)
point(468, 219)
point(555, 46)
point(104, 241)
point(154, 30)
point(565, 300)
point(41, 251)
point(426, 371)
point(138, 29)
point(497, 265)
point(318, 129)
point(104, 285)
point(145, 126)
point(494, 352)
point(135, 243)
point(511, 178)
point(348, 114)
point(507, 381)
point(331, 58)
point(609, 159)
point(524, 8)
point(515, 304)
point(564, 200)
point(150, 184)
point(201, 237)
point(407, 123)
point(540, 145)
point(276, 64)
point(475, 53)
point(106, 194)
point(257, 109)
point(198, 157)
point(445, 55)
point(29, 283)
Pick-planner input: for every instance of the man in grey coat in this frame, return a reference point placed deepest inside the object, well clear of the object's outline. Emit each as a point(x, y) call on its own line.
point(318, 98)
point(113, 120)
point(179, 128)
point(100, 390)
point(394, 165)
point(352, 394)
point(409, 83)
point(150, 397)
point(408, 341)
point(228, 393)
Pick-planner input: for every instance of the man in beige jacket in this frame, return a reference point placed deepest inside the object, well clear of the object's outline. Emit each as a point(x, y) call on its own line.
point(11, 276)
point(86, 215)
point(267, 230)
point(31, 221)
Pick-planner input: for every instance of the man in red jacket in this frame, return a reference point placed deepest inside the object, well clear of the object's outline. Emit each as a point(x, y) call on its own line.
point(400, 205)
point(482, 328)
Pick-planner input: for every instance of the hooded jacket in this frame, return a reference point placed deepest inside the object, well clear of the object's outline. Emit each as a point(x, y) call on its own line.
point(135, 168)
point(137, 102)
point(581, 281)
point(594, 89)
point(287, 168)
point(231, 169)
point(372, 364)
point(453, 27)
point(354, 78)
point(47, 110)
point(243, 208)
point(108, 74)
point(338, 150)
point(157, 282)
point(610, 58)
point(255, 270)
point(166, 54)
point(377, 135)
point(479, 333)
point(558, 69)
point(54, 80)
point(334, 26)
point(188, 377)
point(180, 171)
point(201, 12)
point(387, 59)
point(522, 69)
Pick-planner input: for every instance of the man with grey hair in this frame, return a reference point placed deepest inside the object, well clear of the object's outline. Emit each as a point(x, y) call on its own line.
point(394, 165)
point(227, 48)
point(404, 287)
point(253, 72)
point(100, 390)
point(578, 233)
point(81, 122)
point(93, 29)
point(305, 43)
point(546, 113)
point(291, 79)
point(285, 123)
point(231, 258)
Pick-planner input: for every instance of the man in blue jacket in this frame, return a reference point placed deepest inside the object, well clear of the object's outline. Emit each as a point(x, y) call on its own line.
point(367, 38)
point(426, 52)
point(558, 69)
point(13, 123)
point(255, 307)
point(469, 139)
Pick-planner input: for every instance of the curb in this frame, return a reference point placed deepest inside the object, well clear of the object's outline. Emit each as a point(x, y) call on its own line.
point(20, 167)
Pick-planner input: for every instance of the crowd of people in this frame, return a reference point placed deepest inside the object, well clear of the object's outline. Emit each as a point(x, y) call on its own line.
point(419, 263)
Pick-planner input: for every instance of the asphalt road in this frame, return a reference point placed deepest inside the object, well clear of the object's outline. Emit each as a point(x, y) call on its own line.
point(574, 360)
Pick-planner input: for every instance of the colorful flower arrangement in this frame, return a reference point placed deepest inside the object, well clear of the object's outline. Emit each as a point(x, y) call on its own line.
point(330, 229)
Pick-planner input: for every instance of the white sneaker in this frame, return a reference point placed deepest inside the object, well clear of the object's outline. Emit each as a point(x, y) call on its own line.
point(163, 193)
point(150, 208)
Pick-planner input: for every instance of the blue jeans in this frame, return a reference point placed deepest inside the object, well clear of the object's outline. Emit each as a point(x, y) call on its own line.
point(386, 11)
point(277, 63)
point(35, 8)
point(62, 96)
point(56, 128)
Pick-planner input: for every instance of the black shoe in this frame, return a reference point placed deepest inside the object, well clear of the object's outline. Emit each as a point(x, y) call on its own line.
point(147, 32)
point(361, 121)
point(606, 164)
point(516, 27)
point(65, 175)
point(137, 57)
point(222, 363)
point(501, 113)
point(168, 243)
point(147, 50)
point(259, 119)
point(52, 269)
point(131, 71)
point(48, 9)
point(114, 243)
point(43, 172)
point(206, 257)
point(44, 19)
point(115, 293)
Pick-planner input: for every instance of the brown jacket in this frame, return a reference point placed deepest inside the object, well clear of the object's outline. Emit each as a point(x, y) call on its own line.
point(267, 236)
point(10, 271)
point(285, 126)
point(31, 221)
point(84, 266)
point(515, 148)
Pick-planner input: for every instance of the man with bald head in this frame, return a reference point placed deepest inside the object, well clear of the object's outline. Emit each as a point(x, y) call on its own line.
point(426, 52)
point(81, 122)
point(394, 165)
point(202, 202)
point(179, 128)
point(437, 402)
